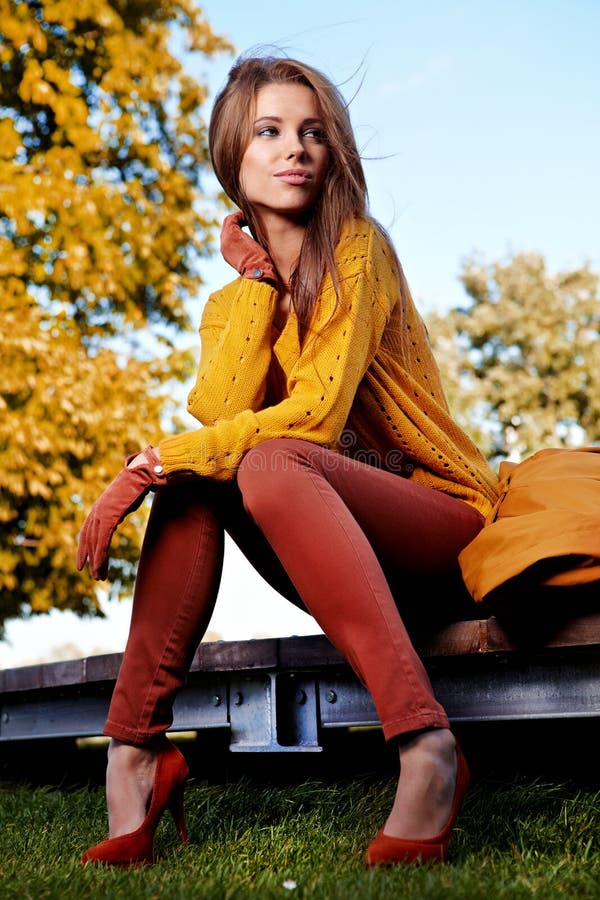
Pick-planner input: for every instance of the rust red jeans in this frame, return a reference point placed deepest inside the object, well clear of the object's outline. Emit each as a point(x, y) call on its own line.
point(359, 547)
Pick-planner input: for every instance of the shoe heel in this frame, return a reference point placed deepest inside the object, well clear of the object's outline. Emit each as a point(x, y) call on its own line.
point(177, 811)
point(137, 847)
point(386, 850)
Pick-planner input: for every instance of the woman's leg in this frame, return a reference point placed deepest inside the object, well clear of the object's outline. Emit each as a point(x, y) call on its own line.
point(175, 592)
point(176, 587)
point(332, 521)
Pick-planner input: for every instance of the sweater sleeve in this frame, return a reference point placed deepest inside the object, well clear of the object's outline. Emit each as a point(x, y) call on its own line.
point(235, 335)
point(342, 341)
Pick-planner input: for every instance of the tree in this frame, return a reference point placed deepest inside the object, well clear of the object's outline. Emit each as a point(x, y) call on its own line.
point(521, 361)
point(103, 222)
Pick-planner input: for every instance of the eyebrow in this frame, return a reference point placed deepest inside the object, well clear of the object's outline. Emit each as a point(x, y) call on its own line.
point(309, 121)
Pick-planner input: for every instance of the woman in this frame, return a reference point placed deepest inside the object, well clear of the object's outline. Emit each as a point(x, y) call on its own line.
point(327, 453)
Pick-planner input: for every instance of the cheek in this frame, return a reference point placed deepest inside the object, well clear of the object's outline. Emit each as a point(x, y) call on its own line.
point(250, 168)
point(323, 169)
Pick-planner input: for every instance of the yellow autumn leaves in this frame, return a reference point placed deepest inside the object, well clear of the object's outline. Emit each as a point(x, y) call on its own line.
point(104, 218)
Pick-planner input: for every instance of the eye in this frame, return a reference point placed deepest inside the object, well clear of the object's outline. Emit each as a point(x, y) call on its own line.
point(267, 131)
point(315, 134)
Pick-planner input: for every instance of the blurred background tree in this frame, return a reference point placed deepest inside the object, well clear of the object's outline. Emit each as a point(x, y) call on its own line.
point(521, 360)
point(104, 219)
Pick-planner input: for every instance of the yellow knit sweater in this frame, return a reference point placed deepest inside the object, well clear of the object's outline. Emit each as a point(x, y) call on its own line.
point(364, 381)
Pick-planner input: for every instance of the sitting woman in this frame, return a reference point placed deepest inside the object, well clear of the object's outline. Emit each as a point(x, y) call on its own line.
point(327, 452)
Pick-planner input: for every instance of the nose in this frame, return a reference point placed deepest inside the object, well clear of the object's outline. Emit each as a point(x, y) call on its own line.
point(294, 148)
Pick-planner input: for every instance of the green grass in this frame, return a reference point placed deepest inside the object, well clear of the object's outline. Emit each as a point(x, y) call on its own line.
point(513, 840)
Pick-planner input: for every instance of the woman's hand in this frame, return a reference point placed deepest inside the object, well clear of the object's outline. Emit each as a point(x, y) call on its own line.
point(142, 473)
point(243, 253)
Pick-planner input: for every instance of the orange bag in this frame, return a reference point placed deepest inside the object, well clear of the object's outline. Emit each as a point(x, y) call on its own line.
point(549, 510)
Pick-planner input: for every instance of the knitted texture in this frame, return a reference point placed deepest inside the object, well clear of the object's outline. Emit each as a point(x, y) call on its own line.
point(364, 381)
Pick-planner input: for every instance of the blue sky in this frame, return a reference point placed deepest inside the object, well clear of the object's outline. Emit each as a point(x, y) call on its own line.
point(482, 124)
point(481, 121)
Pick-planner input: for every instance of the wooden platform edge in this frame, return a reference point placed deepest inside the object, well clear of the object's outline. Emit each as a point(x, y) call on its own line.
point(477, 636)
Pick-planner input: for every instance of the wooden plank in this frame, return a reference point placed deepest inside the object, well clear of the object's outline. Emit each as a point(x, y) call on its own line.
point(235, 656)
point(23, 678)
point(582, 631)
point(66, 672)
point(579, 632)
point(306, 652)
point(456, 639)
point(311, 651)
point(104, 667)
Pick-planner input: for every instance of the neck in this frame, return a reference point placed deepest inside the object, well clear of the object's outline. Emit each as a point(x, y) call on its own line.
point(285, 238)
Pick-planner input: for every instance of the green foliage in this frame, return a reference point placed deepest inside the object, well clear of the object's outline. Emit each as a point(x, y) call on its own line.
point(103, 222)
point(521, 360)
point(248, 840)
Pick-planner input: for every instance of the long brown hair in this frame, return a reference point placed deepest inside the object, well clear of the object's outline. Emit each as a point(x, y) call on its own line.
point(344, 193)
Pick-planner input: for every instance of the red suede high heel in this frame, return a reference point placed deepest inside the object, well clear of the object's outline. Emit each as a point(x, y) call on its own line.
point(386, 850)
point(137, 847)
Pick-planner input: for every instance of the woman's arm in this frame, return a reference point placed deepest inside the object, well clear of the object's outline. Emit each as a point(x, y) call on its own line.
point(343, 340)
point(322, 384)
point(235, 335)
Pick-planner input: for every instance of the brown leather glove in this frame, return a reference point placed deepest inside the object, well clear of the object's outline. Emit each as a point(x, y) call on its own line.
point(121, 497)
point(244, 253)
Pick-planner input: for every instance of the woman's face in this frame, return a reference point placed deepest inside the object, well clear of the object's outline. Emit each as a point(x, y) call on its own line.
point(285, 163)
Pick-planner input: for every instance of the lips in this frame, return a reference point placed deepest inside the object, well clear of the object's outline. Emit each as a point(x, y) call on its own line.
point(294, 176)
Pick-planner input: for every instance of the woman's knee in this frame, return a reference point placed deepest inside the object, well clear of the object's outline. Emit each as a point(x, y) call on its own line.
point(266, 470)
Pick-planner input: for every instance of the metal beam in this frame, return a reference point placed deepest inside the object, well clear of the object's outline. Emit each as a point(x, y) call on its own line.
point(285, 709)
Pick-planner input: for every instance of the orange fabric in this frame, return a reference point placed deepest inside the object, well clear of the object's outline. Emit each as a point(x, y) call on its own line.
point(549, 510)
